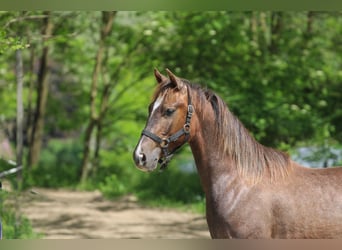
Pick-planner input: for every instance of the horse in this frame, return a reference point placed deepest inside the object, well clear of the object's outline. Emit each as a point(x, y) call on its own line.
point(251, 191)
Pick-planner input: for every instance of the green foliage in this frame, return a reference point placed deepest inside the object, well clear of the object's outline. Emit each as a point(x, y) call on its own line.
point(282, 81)
point(113, 187)
point(14, 226)
point(171, 185)
point(59, 165)
point(116, 173)
point(9, 42)
point(271, 81)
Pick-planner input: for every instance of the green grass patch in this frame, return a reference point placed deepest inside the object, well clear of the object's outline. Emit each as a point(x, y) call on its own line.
point(165, 203)
point(14, 225)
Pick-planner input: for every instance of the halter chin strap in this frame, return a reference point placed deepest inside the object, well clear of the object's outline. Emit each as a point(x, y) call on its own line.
point(164, 142)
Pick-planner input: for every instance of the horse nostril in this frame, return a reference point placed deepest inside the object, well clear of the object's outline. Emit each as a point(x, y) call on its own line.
point(142, 157)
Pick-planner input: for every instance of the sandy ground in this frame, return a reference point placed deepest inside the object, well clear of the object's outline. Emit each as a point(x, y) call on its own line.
point(64, 214)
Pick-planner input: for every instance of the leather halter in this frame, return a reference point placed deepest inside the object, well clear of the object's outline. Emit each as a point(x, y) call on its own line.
point(164, 142)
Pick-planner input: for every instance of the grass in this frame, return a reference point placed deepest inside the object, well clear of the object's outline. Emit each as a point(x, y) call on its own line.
point(164, 203)
point(14, 225)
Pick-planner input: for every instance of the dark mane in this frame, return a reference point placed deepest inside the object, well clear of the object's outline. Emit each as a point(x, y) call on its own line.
point(231, 137)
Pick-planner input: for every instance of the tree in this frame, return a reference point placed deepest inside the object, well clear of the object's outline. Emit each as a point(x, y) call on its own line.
point(279, 72)
point(20, 113)
point(42, 93)
point(95, 115)
point(264, 64)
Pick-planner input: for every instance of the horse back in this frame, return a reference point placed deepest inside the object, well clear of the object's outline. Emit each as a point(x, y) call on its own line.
point(309, 204)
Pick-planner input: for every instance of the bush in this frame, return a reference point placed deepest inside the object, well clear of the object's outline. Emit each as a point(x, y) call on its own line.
point(172, 185)
point(118, 176)
point(112, 187)
point(59, 165)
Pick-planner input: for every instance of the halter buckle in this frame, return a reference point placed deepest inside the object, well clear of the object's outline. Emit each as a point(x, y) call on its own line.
point(190, 110)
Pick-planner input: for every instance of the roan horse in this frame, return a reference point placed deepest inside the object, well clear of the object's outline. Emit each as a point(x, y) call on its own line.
point(251, 191)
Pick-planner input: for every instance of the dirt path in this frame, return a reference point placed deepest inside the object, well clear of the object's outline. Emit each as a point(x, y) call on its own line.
point(64, 214)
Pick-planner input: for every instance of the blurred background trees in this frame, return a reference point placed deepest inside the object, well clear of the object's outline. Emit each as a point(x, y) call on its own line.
point(88, 78)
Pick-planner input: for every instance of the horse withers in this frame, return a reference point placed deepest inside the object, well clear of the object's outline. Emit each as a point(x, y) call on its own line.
point(251, 191)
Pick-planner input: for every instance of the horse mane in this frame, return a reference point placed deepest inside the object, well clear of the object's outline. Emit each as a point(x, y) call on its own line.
point(251, 159)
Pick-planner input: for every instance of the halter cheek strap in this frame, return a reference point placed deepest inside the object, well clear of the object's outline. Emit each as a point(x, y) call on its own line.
point(164, 142)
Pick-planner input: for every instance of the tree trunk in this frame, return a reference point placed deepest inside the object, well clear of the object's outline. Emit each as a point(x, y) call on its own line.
point(30, 105)
point(276, 28)
point(309, 24)
point(99, 125)
point(98, 140)
point(107, 23)
point(42, 94)
point(20, 114)
point(264, 31)
point(254, 27)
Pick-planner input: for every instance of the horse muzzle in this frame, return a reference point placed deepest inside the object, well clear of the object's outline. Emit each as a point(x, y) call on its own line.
point(146, 161)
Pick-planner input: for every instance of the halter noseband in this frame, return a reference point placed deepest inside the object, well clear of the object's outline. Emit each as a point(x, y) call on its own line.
point(164, 142)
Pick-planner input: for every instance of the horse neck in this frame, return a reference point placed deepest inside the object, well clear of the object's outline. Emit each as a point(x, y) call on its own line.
point(222, 146)
point(211, 163)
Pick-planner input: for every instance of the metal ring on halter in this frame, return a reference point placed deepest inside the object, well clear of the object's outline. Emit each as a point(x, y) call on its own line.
point(164, 143)
point(186, 128)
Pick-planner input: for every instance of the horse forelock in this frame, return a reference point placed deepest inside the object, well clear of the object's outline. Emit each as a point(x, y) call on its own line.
point(164, 87)
point(160, 88)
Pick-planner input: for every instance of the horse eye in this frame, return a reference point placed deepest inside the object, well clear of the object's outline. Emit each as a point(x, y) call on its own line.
point(169, 111)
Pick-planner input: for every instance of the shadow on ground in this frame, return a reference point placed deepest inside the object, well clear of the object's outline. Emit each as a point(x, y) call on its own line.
point(64, 214)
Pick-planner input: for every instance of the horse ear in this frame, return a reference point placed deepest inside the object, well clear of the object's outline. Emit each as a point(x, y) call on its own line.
point(174, 79)
point(159, 77)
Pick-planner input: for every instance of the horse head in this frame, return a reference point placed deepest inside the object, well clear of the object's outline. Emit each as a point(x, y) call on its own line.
point(168, 124)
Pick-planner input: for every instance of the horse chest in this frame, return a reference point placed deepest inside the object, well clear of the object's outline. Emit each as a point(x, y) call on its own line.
point(224, 203)
point(235, 210)
point(240, 220)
